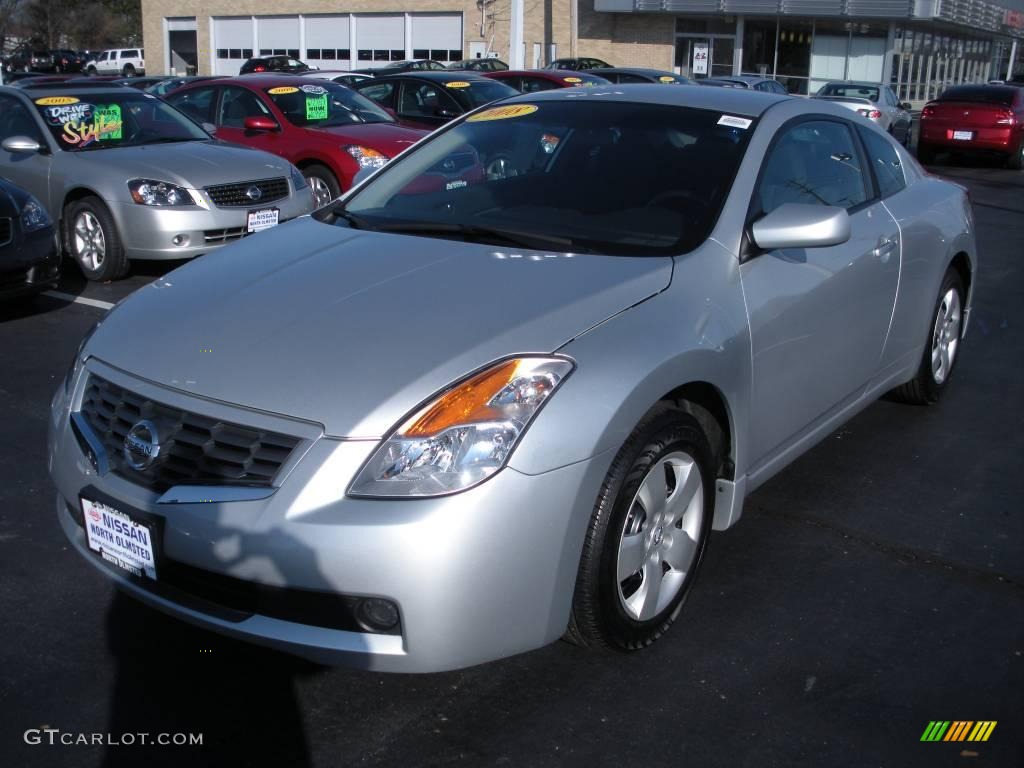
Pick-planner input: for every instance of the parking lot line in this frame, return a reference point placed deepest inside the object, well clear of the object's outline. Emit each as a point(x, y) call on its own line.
point(79, 299)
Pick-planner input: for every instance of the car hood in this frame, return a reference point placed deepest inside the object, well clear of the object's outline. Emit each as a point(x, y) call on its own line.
point(389, 138)
point(192, 164)
point(353, 329)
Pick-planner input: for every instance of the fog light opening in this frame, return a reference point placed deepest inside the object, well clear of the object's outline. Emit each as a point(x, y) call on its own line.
point(180, 240)
point(376, 614)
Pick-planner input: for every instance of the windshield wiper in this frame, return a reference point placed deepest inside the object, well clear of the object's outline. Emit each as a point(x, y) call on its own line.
point(356, 222)
point(479, 233)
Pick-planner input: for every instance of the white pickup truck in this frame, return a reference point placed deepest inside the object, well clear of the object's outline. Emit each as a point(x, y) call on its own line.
point(119, 61)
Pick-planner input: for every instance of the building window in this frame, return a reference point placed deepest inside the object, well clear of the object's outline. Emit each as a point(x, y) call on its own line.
point(421, 53)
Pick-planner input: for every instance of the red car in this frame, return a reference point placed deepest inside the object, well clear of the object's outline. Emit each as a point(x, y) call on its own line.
point(328, 131)
point(974, 118)
point(533, 80)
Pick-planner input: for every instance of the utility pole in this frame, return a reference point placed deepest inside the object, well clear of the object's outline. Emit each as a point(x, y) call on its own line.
point(515, 36)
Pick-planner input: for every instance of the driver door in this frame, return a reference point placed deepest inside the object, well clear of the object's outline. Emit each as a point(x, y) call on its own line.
point(28, 170)
point(818, 316)
point(235, 105)
point(425, 105)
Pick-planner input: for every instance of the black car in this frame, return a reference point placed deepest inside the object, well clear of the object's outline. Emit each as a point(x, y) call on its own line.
point(479, 65)
point(410, 65)
point(265, 64)
point(29, 259)
point(639, 75)
point(164, 85)
point(428, 100)
point(139, 83)
point(29, 60)
point(65, 60)
point(578, 64)
point(750, 82)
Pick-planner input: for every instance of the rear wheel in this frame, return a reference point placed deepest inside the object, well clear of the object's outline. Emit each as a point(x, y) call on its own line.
point(647, 534)
point(1016, 160)
point(93, 240)
point(128, 70)
point(322, 183)
point(941, 353)
point(925, 153)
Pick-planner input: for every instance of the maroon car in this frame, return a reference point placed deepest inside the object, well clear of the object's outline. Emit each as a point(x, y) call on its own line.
point(974, 118)
point(533, 80)
point(328, 131)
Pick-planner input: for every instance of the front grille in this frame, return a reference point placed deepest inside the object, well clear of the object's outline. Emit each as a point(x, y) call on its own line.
point(237, 195)
point(6, 231)
point(221, 236)
point(194, 449)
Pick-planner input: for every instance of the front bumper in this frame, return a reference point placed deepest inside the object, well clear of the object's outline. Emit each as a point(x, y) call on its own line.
point(148, 232)
point(29, 263)
point(476, 576)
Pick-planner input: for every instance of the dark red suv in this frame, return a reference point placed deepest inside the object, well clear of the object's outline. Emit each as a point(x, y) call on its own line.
point(328, 131)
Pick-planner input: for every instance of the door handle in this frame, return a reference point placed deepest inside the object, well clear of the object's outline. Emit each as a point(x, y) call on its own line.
point(885, 247)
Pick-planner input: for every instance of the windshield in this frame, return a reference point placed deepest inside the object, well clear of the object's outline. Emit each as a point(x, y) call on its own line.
point(850, 91)
point(114, 119)
point(479, 91)
point(982, 95)
point(325, 105)
point(603, 177)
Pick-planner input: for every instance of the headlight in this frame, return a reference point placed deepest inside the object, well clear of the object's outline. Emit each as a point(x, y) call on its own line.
point(298, 180)
point(33, 216)
point(150, 192)
point(366, 157)
point(464, 435)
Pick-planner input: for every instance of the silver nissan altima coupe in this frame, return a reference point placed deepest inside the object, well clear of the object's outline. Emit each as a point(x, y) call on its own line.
point(127, 176)
point(501, 391)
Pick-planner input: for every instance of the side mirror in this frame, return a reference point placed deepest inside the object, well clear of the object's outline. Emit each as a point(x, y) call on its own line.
point(260, 124)
point(906, 105)
point(797, 225)
point(21, 145)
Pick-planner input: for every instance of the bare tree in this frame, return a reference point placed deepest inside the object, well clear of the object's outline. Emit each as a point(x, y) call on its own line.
point(8, 11)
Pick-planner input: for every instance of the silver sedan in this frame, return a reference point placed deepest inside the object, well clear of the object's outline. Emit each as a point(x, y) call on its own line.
point(501, 392)
point(874, 101)
point(127, 176)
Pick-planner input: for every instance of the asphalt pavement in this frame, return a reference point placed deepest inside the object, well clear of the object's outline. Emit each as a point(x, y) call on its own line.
point(874, 586)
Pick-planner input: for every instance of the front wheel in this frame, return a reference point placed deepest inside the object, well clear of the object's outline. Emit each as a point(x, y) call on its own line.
point(93, 240)
point(941, 354)
point(322, 183)
point(647, 535)
point(90, 71)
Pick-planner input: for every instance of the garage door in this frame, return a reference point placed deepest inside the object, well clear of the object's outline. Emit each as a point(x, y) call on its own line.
point(278, 35)
point(437, 36)
point(379, 39)
point(327, 42)
point(232, 43)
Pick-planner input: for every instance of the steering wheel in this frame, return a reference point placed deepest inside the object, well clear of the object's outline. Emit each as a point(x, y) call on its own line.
point(500, 167)
point(681, 194)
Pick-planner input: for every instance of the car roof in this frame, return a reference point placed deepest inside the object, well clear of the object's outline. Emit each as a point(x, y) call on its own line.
point(78, 89)
point(443, 76)
point(267, 80)
point(632, 70)
point(729, 100)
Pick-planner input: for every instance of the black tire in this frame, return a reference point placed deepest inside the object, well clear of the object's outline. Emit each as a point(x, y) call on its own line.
point(90, 71)
point(114, 263)
point(1016, 161)
point(315, 174)
point(128, 70)
point(924, 389)
point(925, 153)
point(598, 616)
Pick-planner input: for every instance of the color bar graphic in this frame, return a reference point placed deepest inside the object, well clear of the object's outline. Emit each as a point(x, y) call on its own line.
point(958, 730)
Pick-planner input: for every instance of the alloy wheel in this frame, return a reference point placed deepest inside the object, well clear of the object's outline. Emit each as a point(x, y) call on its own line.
point(946, 335)
point(90, 245)
point(321, 192)
point(659, 544)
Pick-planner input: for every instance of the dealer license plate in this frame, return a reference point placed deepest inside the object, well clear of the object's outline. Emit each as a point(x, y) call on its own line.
point(963, 135)
point(265, 219)
point(119, 539)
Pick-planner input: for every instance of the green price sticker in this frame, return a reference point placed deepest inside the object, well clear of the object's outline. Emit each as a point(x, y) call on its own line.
point(316, 107)
point(107, 118)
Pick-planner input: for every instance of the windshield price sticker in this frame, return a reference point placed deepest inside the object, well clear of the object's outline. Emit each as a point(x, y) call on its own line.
point(457, 84)
point(503, 113)
point(735, 122)
point(69, 113)
point(316, 90)
point(666, 79)
point(56, 101)
point(108, 121)
point(316, 107)
point(282, 90)
point(573, 79)
point(94, 122)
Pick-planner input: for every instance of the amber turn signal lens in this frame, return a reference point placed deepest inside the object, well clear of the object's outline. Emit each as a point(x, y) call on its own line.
point(465, 404)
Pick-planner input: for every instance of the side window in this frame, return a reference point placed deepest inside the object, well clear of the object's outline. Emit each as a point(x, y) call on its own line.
point(103, 56)
point(624, 78)
point(196, 103)
point(763, 86)
point(890, 98)
point(382, 93)
point(236, 104)
point(422, 100)
point(885, 160)
point(780, 89)
point(813, 162)
point(535, 84)
point(16, 120)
